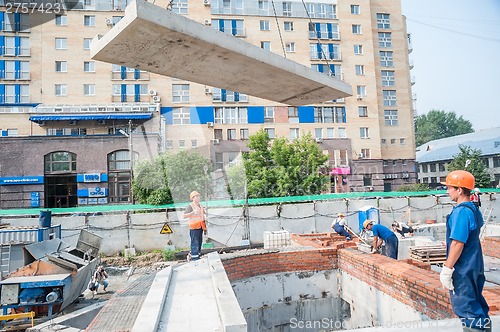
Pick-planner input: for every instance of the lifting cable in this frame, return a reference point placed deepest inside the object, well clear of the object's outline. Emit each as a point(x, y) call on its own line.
point(279, 30)
point(313, 26)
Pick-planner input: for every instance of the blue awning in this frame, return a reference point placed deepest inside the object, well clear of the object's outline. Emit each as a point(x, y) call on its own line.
point(101, 116)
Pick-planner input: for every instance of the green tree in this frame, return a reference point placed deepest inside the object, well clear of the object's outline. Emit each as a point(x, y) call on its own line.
point(235, 177)
point(170, 178)
point(283, 168)
point(414, 187)
point(439, 124)
point(476, 165)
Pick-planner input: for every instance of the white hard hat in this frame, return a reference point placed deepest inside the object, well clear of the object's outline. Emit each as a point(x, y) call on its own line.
point(476, 190)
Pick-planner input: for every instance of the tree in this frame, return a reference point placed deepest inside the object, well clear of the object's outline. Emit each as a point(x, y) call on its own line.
point(169, 178)
point(439, 124)
point(283, 168)
point(476, 166)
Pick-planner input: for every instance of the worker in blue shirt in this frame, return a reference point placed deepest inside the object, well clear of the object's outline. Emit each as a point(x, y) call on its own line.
point(463, 271)
point(381, 234)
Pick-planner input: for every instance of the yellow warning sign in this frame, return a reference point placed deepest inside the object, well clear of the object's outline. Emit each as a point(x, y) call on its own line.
point(166, 229)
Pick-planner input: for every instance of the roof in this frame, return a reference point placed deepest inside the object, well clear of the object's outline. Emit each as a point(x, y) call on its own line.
point(488, 141)
point(101, 116)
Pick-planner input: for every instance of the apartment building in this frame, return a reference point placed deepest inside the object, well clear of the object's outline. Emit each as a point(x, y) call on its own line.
point(55, 97)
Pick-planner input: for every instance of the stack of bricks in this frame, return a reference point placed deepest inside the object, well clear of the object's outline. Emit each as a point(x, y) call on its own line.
point(491, 246)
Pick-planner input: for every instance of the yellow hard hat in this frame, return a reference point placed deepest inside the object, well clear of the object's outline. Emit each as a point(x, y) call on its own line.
point(340, 214)
point(367, 222)
point(193, 194)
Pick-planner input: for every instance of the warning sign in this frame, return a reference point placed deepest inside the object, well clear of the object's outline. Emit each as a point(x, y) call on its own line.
point(166, 229)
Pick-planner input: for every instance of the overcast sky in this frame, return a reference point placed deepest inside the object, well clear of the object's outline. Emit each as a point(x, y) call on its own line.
point(456, 53)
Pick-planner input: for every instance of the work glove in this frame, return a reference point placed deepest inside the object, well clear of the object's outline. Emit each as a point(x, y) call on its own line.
point(445, 277)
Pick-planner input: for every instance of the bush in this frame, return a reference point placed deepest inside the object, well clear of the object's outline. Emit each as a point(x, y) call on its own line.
point(414, 187)
point(168, 255)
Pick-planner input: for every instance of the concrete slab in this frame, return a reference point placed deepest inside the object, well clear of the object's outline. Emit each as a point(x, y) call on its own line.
point(157, 40)
point(190, 304)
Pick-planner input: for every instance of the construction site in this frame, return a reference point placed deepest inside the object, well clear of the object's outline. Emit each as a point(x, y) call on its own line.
point(281, 269)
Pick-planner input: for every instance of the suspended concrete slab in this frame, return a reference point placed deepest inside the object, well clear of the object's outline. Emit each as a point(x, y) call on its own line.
point(156, 40)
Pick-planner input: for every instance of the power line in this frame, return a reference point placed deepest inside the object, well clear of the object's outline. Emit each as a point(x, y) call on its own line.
point(495, 40)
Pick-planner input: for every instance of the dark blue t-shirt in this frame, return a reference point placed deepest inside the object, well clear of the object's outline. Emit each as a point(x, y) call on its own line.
point(381, 231)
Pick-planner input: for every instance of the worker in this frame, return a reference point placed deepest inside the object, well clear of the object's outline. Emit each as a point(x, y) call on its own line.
point(197, 224)
point(463, 271)
point(339, 224)
point(475, 198)
point(402, 228)
point(99, 277)
point(381, 234)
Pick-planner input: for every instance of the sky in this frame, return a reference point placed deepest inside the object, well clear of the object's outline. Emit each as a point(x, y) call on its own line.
point(456, 54)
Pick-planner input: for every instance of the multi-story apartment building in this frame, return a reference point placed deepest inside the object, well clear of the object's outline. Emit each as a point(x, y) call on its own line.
point(68, 123)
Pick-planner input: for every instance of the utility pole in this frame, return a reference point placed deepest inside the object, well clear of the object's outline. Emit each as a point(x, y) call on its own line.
point(131, 154)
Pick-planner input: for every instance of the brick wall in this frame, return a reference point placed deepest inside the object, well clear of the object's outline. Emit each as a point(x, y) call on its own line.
point(491, 246)
point(409, 281)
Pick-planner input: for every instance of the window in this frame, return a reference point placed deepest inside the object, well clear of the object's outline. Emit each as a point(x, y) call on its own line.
point(384, 39)
point(182, 144)
point(383, 21)
point(219, 161)
point(385, 163)
point(342, 133)
point(181, 116)
point(383, 141)
point(388, 78)
point(265, 45)
point(294, 133)
point(268, 114)
point(270, 132)
point(218, 133)
point(24, 70)
point(496, 161)
point(393, 141)
point(365, 153)
point(180, 93)
point(361, 90)
point(10, 93)
point(402, 141)
point(10, 70)
point(60, 89)
point(324, 30)
point(356, 29)
point(287, 9)
point(290, 47)
point(263, 7)
point(244, 133)
point(61, 20)
point(89, 20)
point(288, 26)
point(360, 70)
point(169, 144)
point(264, 25)
point(61, 43)
point(231, 134)
point(86, 43)
point(441, 167)
point(89, 89)
point(227, 115)
point(391, 117)
point(331, 70)
point(367, 180)
point(232, 27)
point(403, 162)
point(330, 132)
point(363, 132)
point(194, 143)
point(394, 163)
point(116, 19)
point(318, 133)
point(180, 7)
point(329, 114)
point(321, 10)
point(60, 162)
point(386, 59)
point(425, 168)
point(89, 4)
point(389, 97)
point(322, 51)
point(363, 111)
point(358, 49)
point(355, 9)
point(12, 132)
point(219, 95)
point(432, 167)
point(293, 114)
point(89, 66)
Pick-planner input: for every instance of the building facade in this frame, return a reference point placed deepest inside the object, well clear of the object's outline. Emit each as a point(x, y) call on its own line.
point(53, 94)
point(434, 156)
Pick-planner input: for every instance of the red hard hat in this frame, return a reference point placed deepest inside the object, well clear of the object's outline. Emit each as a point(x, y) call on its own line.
point(461, 179)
